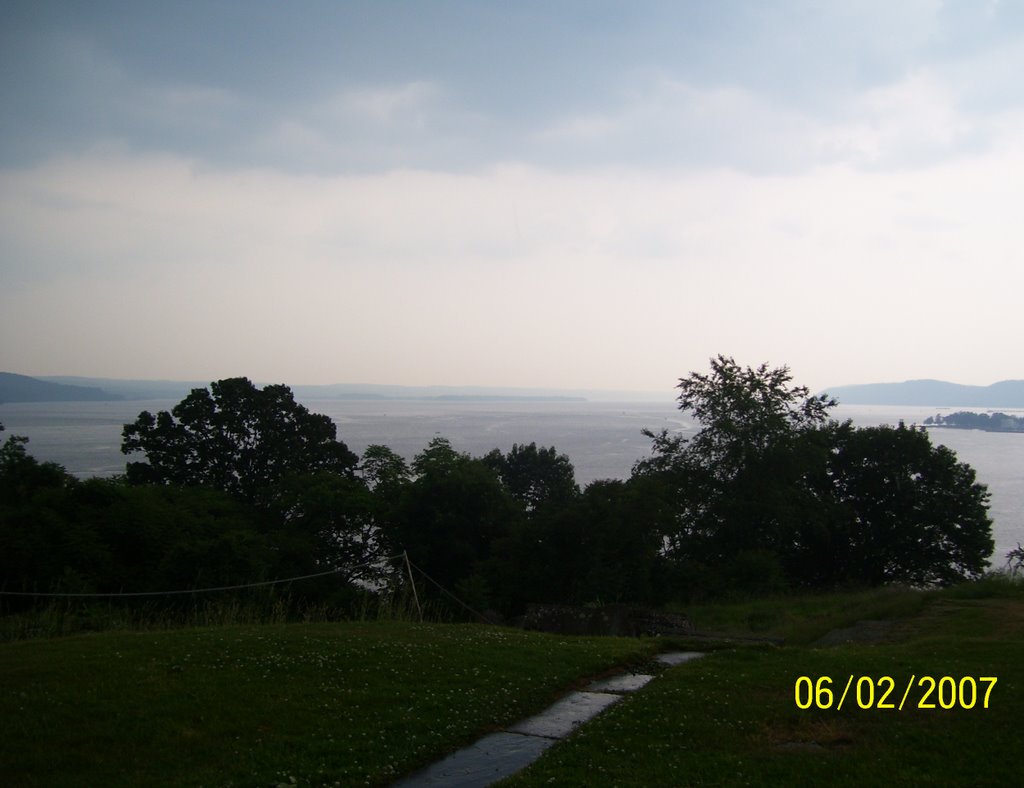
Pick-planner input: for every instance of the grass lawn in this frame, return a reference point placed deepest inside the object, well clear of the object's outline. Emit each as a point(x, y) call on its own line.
point(317, 704)
point(732, 718)
point(365, 703)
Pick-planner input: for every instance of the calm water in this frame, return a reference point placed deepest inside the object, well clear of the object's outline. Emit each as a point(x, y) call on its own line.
point(602, 439)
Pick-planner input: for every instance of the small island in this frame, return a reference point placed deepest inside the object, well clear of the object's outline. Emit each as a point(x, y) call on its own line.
point(966, 420)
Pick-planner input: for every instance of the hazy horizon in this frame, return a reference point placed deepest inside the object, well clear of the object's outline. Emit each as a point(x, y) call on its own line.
point(352, 389)
point(581, 195)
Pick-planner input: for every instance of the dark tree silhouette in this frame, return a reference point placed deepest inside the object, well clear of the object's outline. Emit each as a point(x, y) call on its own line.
point(237, 438)
point(770, 481)
point(535, 477)
point(910, 512)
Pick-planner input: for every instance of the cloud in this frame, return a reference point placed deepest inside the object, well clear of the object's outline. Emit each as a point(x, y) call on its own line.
point(913, 121)
point(667, 123)
point(388, 104)
point(368, 129)
point(515, 275)
point(920, 119)
point(657, 85)
point(521, 197)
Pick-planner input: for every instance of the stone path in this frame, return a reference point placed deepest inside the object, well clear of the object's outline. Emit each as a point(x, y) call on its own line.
point(502, 754)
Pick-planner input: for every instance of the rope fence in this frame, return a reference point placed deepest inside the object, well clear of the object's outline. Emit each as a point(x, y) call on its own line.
point(403, 556)
point(446, 592)
point(196, 590)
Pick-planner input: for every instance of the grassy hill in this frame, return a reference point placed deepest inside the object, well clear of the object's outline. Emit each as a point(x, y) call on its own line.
point(364, 703)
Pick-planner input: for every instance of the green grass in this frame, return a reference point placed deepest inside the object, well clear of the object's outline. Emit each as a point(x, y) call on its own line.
point(260, 705)
point(732, 718)
point(365, 703)
point(802, 619)
point(63, 617)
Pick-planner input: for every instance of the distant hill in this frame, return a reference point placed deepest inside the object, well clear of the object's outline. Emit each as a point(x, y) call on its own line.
point(178, 389)
point(22, 388)
point(364, 391)
point(937, 393)
point(133, 389)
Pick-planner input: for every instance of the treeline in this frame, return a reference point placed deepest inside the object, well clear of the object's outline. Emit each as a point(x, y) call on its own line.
point(239, 484)
point(966, 420)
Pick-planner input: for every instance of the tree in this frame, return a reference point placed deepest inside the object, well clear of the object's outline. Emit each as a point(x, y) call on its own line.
point(739, 485)
point(910, 511)
point(161, 537)
point(1015, 561)
point(38, 546)
point(746, 414)
point(450, 517)
point(236, 438)
point(328, 521)
point(383, 470)
point(771, 486)
point(606, 546)
point(537, 478)
point(22, 475)
point(438, 458)
point(61, 534)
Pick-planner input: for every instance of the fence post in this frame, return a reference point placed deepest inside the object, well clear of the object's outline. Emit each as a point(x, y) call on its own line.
point(415, 596)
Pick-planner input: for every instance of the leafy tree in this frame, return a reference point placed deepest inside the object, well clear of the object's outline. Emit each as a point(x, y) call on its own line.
point(328, 521)
point(383, 470)
point(22, 475)
point(387, 477)
point(745, 414)
point(607, 546)
point(451, 515)
point(236, 438)
point(910, 511)
point(1015, 561)
point(264, 449)
point(604, 546)
point(771, 487)
point(162, 537)
point(61, 534)
point(38, 547)
point(537, 478)
point(740, 484)
point(438, 458)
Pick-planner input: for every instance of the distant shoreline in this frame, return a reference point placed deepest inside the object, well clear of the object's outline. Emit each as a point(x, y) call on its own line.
point(985, 422)
point(964, 427)
point(16, 388)
point(932, 394)
point(453, 398)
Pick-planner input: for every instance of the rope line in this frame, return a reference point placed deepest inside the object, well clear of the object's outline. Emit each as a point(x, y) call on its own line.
point(444, 590)
point(212, 589)
point(196, 590)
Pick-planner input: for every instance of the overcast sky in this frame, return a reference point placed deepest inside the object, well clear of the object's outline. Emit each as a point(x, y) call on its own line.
point(555, 194)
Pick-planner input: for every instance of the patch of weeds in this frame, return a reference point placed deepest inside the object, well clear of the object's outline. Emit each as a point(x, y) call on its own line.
point(995, 585)
point(806, 733)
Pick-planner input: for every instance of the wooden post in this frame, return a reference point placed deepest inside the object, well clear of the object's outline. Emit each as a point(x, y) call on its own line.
point(415, 596)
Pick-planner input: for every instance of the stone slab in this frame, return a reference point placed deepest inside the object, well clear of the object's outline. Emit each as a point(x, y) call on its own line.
point(563, 717)
point(491, 759)
point(678, 657)
point(628, 682)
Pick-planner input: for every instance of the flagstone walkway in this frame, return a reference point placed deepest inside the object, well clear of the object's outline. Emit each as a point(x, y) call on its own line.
point(499, 755)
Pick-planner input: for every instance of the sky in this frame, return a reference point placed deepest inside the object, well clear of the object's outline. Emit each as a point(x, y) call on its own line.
point(560, 194)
